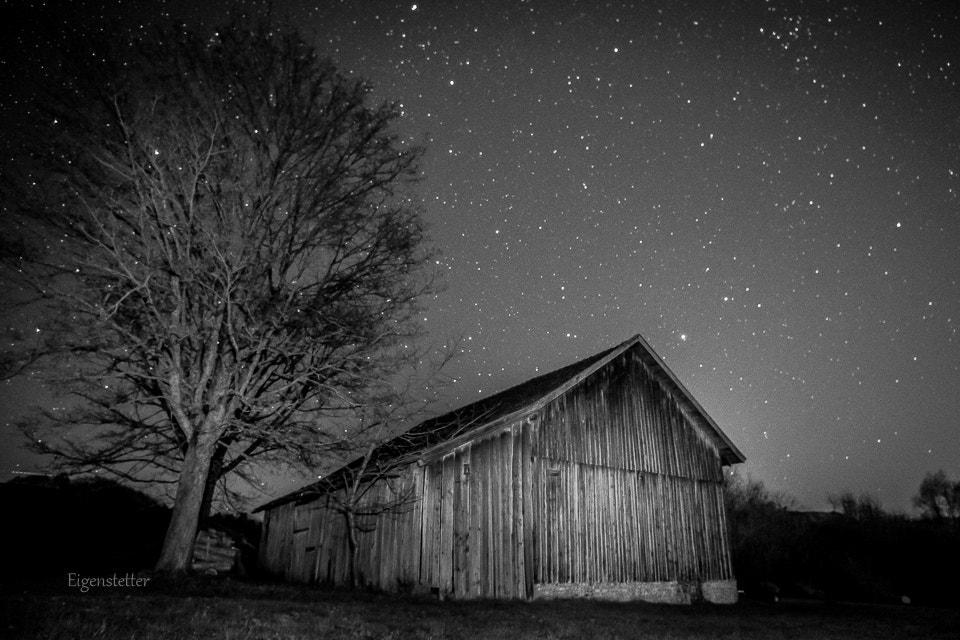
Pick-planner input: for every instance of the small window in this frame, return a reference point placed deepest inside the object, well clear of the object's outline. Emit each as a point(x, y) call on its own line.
point(466, 468)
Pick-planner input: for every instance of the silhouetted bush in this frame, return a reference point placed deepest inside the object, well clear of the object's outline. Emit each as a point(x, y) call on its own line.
point(763, 535)
point(858, 553)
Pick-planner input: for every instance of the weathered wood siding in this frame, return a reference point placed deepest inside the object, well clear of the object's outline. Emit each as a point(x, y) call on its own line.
point(609, 482)
point(467, 536)
point(598, 524)
point(622, 417)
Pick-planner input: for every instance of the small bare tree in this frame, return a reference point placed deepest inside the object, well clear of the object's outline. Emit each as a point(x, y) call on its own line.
point(377, 482)
point(219, 232)
point(370, 486)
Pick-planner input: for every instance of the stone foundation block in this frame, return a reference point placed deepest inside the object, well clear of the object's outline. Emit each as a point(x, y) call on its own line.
point(672, 592)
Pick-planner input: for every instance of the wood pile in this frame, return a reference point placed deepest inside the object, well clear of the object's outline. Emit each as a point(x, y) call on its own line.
point(214, 552)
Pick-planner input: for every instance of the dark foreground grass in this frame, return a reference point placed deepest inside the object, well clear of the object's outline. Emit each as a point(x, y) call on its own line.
point(222, 609)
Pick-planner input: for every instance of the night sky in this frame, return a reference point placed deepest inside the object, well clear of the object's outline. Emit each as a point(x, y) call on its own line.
point(768, 192)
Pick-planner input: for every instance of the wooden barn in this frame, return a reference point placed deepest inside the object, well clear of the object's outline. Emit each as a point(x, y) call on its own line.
point(601, 479)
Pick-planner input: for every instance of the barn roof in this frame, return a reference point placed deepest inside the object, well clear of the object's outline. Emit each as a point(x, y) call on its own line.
point(439, 434)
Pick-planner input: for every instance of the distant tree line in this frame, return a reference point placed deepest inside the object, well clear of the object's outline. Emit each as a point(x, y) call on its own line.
point(857, 552)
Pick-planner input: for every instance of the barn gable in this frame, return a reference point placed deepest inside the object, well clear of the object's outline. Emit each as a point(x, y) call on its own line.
point(601, 478)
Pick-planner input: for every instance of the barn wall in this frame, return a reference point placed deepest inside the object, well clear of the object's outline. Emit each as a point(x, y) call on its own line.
point(609, 484)
point(626, 488)
point(468, 535)
point(274, 539)
point(477, 529)
point(309, 543)
point(603, 525)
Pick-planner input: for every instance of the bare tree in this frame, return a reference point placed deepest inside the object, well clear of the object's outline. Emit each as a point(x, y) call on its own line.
point(370, 486)
point(864, 507)
point(939, 497)
point(228, 255)
point(377, 482)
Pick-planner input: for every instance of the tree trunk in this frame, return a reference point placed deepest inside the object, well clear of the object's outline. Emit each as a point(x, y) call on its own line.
point(177, 551)
point(210, 486)
point(354, 548)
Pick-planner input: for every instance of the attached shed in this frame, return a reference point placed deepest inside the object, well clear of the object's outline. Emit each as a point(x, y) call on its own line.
point(601, 479)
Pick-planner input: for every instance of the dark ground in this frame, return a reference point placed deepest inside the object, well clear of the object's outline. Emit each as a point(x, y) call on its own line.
point(214, 608)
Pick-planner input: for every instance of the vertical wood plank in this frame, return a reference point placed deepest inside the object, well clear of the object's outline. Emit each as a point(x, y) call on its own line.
point(462, 584)
point(477, 489)
point(489, 508)
point(496, 524)
point(514, 540)
point(456, 561)
point(528, 486)
point(445, 552)
point(425, 528)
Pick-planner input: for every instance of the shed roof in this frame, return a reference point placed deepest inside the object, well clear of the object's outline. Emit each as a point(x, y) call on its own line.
point(460, 425)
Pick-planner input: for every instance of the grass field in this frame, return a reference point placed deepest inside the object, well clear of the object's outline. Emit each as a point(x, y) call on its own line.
point(213, 609)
